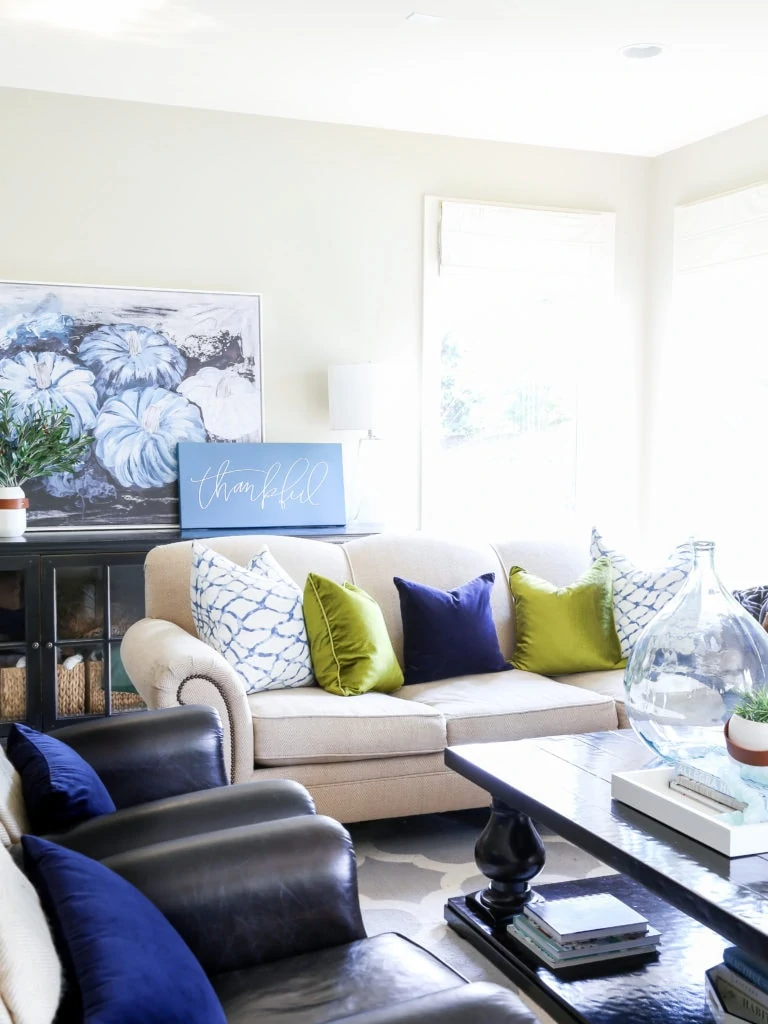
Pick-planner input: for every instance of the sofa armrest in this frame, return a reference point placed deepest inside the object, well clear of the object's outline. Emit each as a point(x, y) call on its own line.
point(152, 754)
point(192, 814)
point(480, 1001)
point(249, 895)
point(169, 666)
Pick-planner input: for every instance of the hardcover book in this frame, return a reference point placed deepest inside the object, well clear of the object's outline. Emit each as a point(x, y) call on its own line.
point(525, 936)
point(594, 916)
point(586, 947)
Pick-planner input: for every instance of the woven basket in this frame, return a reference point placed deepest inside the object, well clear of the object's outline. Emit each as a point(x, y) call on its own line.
point(78, 692)
point(120, 701)
point(70, 690)
point(13, 694)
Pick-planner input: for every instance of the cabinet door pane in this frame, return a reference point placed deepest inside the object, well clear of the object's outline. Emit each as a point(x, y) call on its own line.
point(126, 592)
point(13, 685)
point(13, 671)
point(124, 695)
point(12, 606)
point(79, 603)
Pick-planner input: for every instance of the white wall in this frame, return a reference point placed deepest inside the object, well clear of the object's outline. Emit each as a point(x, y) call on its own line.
point(325, 221)
point(718, 164)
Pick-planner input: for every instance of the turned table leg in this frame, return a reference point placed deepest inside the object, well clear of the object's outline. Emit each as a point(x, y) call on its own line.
point(510, 852)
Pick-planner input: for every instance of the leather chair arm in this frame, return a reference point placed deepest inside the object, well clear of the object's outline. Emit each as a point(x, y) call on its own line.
point(249, 895)
point(149, 755)
point(169, 666)
point(192, 814)
point(480, 1002)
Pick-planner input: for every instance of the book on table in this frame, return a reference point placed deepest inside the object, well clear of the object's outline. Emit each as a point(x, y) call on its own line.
point(572, 932)
point(579, 918)
point(732, 998)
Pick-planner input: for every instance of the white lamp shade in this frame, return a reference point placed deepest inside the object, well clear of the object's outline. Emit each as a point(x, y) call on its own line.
point(354, 395)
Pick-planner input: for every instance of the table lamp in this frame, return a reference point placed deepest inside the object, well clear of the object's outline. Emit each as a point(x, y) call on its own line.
point(355, 393)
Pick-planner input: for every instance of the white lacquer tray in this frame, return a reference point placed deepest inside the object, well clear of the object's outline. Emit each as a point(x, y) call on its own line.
point(647, 790)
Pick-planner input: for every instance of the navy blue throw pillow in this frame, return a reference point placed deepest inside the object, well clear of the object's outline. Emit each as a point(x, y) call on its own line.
point(60, 788)
point(124, 962)
point(448, 633)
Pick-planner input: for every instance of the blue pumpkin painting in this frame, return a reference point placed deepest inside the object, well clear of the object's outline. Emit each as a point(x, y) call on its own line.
point(140, 369)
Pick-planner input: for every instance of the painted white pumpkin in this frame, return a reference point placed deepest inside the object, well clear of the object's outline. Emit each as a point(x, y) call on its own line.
point(230, 403)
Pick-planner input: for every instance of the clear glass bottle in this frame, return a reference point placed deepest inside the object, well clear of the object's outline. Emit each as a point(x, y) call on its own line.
point(691, 663)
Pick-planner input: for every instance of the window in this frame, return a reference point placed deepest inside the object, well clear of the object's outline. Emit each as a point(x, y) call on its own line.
point(708, 471)
point(518, 353)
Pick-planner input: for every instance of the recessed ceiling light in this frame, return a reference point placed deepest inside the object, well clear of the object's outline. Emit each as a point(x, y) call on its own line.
point(417, 18)
point(641, 51)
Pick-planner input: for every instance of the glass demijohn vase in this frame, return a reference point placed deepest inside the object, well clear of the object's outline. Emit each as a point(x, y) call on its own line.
point(691, 663)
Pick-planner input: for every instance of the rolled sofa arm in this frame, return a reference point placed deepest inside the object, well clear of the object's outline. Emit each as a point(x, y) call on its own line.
point(481, 1002)
point(192, 814)
point(169, 666)
point(250, 895)
point(154, 755)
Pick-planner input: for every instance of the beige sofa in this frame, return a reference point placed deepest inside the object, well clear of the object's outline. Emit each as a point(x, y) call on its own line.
point(375, 755)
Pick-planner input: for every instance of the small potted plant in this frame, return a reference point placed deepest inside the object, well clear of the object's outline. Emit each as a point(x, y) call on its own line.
point(33, 443)
point(746, 731)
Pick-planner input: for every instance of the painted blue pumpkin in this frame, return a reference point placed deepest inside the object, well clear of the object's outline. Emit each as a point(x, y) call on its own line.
point(126, 355)
point(48, 380)
point(37, 325)
point(137, 432)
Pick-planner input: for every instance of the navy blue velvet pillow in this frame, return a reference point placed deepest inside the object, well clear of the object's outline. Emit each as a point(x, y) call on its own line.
point(448, 633)
point(60, 788)
point(124, 962)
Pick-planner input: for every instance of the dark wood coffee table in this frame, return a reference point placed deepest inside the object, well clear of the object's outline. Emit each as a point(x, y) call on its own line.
point(697, 898)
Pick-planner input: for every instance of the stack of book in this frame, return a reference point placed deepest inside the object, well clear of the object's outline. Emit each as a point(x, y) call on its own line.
point(581, 930)
point(737, 989)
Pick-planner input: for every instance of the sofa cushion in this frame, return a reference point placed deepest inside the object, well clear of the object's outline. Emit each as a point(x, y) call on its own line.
point(60, 788)
point(124, 960)
point(351, 650)
point(606, 684)
point(510, 707)
point(309, 725)
point(444, 564)
point(167, 568)
point(334, 984)
point(565, 629)
point(448, 632)
point(30, 973)
point(252, 616)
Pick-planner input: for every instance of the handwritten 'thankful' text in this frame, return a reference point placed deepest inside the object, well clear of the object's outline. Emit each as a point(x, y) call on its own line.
point(299, 482)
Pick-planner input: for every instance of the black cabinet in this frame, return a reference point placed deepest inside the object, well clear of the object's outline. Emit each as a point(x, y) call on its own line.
point(66, 600)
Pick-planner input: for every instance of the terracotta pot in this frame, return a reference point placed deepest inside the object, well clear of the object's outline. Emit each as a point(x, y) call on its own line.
point(13, 512)
point(747, 741)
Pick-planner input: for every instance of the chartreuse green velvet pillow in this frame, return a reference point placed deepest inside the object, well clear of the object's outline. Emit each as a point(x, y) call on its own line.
point(348, 640)
point(560, 630)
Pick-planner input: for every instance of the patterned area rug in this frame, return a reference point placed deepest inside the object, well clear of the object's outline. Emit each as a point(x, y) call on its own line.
point(408, 867)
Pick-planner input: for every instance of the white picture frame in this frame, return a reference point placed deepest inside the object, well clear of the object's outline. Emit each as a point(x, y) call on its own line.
point(141, 369)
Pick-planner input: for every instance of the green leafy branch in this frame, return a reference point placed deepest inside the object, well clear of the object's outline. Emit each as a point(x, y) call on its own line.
point(38, 444)
point(753, 706)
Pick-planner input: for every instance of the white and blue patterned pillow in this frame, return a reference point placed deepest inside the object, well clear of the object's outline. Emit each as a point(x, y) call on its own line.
point(252, 616)
point(638, 594)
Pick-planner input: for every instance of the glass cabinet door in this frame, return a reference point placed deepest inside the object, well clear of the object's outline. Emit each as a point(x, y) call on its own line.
point(19, 646)
point(95, 599)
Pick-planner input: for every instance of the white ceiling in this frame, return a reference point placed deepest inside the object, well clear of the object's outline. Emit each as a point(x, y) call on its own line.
point(546, 72)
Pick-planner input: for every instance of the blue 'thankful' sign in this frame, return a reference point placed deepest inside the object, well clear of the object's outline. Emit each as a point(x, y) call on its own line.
point(260, 485)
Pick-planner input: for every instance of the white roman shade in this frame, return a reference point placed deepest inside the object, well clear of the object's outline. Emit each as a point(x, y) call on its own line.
point(485, 236)
point(728, 227)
